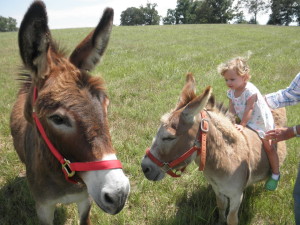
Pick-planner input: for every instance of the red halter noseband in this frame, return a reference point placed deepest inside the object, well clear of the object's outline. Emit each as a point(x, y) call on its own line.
point(67, 167)
point(201, 150)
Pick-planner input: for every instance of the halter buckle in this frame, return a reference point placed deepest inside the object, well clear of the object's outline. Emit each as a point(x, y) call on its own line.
point(166, 167)
point(203, 129)
point(67, 168)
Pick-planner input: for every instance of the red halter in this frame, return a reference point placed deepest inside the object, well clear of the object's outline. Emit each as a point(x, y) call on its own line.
point(67, 167)
point(201, 150)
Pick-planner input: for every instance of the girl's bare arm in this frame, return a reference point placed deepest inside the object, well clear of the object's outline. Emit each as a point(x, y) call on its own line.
point(248, 110)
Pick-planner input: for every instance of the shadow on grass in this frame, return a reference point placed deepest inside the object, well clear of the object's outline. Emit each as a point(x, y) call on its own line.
point(200, 208)
point(18, 207)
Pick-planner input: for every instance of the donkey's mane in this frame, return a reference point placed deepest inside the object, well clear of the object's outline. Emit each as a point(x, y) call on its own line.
point(221, 108)
point(229, 133)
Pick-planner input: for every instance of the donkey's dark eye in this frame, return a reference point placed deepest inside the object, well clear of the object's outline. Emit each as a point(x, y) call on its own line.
point(59, 120)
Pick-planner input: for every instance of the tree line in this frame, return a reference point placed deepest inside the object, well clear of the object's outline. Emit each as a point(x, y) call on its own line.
point(283, 12)
point(8, 24)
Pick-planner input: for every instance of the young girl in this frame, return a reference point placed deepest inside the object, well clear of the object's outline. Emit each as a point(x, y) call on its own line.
point(248, 104)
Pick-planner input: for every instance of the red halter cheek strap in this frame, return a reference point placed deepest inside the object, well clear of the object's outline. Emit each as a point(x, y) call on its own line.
point(69, 168)
point(201, 150)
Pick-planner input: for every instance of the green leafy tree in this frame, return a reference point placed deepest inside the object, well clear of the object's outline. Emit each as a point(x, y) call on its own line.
point(182, 11)
point(203, 11)
point(132, 16)
point(240, 18)
point(8, 24)
point(255, 7)
point(275, 16)
point(216, 11)
point(170, 18)
point(238, 12)
point(140, 16)
point(297, 14)
point(195, 13)
point(151, 16)
point(284, 12)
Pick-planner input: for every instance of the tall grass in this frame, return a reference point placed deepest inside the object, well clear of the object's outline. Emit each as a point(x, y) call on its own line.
point(144, 70)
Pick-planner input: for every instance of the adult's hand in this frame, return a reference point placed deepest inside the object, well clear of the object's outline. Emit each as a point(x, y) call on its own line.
point(280, 134)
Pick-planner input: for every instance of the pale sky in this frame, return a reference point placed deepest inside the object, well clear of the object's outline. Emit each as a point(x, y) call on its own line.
point(84, 13)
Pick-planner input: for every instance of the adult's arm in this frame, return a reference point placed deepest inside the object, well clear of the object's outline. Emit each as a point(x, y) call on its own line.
point(285, 97)
point(283, 133)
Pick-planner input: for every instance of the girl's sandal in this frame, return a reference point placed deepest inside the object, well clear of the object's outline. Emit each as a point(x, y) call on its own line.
point(271, 184)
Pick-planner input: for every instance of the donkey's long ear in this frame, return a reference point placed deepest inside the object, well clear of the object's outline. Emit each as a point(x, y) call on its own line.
point(196, 105)
point(188, 92)
point(34, 39)
point(89, 52)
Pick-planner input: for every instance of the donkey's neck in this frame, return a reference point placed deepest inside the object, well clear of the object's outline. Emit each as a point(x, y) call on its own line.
point(222, 142)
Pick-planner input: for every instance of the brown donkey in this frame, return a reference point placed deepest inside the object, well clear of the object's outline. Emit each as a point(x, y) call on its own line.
point(59, 122)
point(233, 159)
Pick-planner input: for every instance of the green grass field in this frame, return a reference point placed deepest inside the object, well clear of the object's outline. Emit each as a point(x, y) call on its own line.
point(144, 69)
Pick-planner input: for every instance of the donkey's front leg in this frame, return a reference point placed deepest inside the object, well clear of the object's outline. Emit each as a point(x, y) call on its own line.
point(235, 202)
point(84, 208)
point(222, 203)
point(45, 212)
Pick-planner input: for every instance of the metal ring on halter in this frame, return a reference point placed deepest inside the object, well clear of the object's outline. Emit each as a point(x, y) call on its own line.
point(66, 167)
point(202, 125)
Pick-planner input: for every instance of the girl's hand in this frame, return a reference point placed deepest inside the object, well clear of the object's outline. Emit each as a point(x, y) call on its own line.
point(239, 127)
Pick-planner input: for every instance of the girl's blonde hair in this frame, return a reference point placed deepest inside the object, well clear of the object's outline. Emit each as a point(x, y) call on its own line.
point(238, 64)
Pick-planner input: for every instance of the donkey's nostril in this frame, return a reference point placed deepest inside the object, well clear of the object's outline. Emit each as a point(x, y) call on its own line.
point(108, 198)
point(146, 170)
